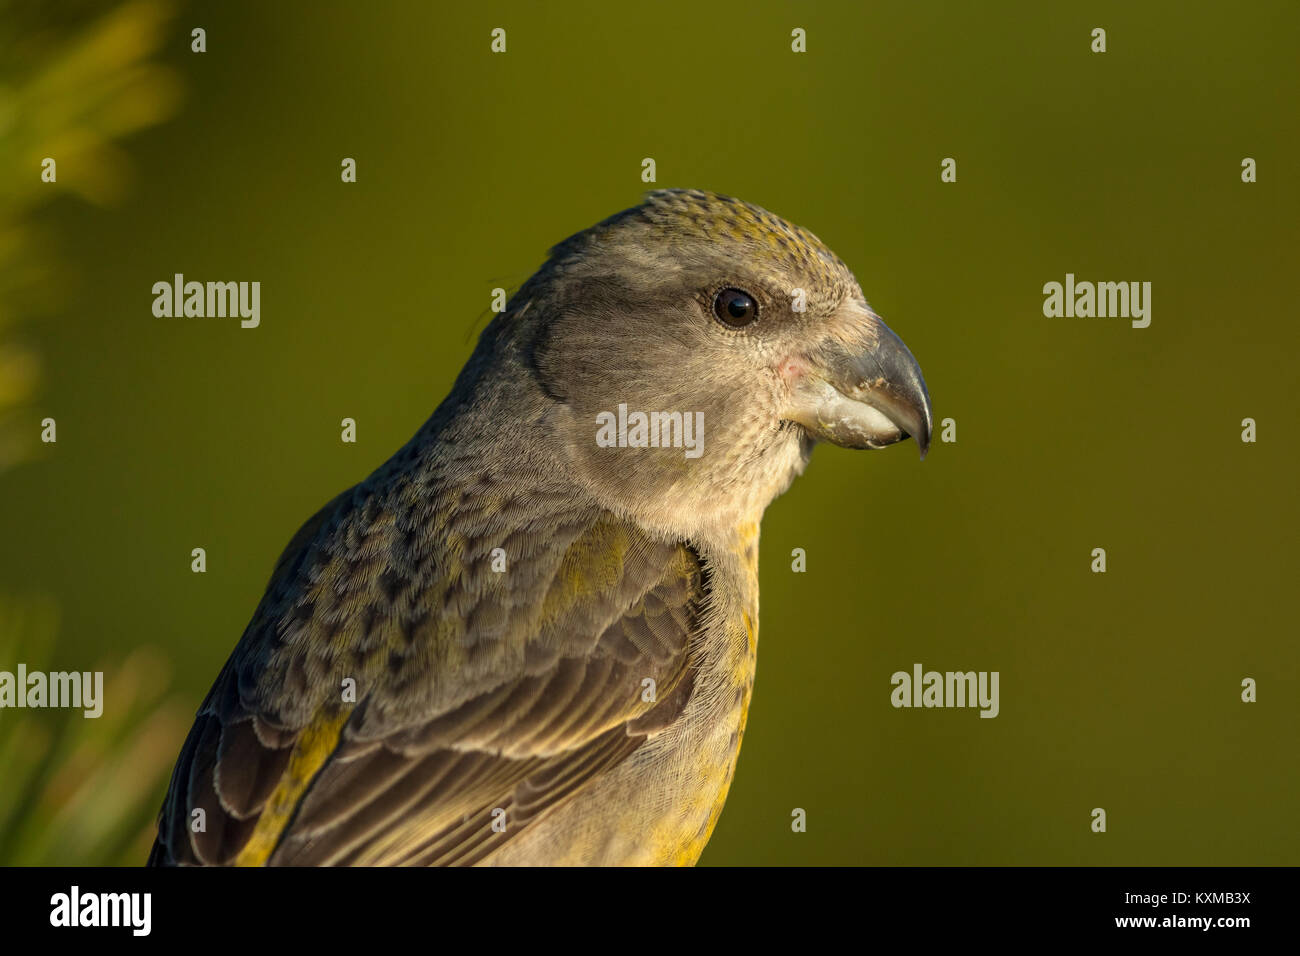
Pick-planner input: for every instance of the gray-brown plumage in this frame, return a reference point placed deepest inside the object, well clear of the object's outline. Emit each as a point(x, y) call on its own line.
point(583, 703)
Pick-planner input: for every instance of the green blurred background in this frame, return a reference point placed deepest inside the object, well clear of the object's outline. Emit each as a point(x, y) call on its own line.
point(1119, 691)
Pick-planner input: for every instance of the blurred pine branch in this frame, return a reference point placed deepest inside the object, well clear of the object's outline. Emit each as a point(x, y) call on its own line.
point(74, 79)
point(79, 790)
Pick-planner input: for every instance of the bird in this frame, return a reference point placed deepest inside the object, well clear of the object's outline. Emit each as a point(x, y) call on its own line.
point(529, 638)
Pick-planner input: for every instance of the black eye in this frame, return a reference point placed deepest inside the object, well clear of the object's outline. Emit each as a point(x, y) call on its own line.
point(735, 308)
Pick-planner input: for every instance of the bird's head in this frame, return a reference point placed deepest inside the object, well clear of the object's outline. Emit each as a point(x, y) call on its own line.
point(739, 337)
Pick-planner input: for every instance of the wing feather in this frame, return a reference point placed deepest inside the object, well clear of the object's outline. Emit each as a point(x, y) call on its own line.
point(482, 698)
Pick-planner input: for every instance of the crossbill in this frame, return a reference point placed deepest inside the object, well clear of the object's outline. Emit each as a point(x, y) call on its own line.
point(529, 637)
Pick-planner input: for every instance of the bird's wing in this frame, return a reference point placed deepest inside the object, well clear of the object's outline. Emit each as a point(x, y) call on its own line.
point(482, 696)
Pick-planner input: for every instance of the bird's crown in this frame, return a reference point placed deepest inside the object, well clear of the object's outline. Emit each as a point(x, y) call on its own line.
point(673, 216)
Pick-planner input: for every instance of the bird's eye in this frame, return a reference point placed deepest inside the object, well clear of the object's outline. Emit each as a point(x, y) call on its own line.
point(735, 307)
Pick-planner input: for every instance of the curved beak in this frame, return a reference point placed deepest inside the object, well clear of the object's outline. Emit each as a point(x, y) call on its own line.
point(862, 388)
